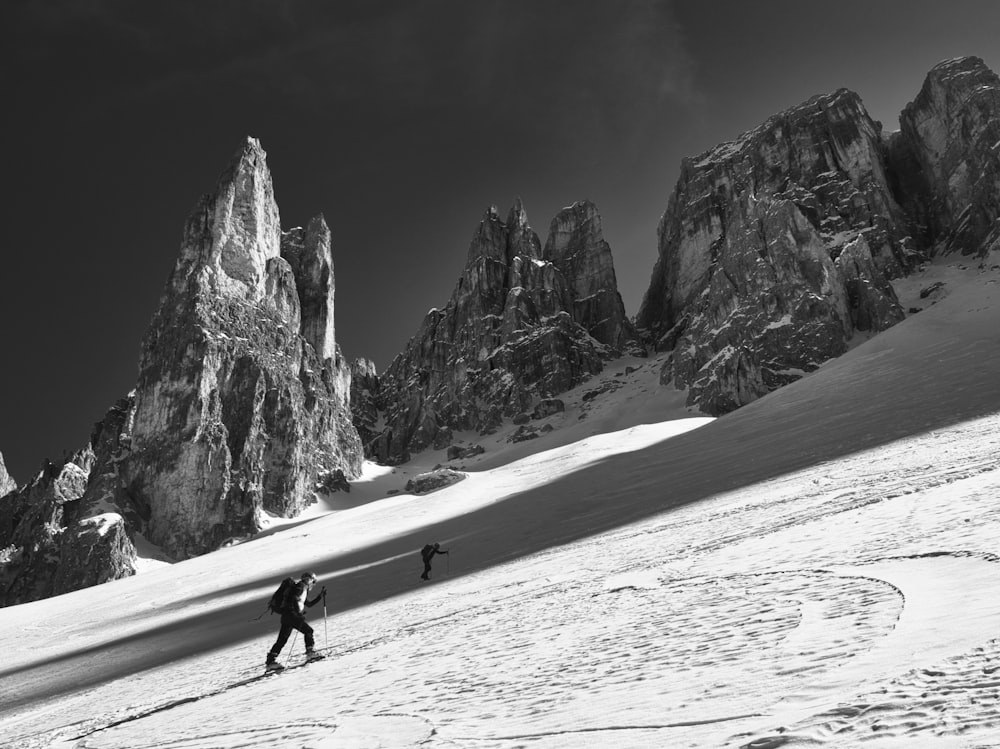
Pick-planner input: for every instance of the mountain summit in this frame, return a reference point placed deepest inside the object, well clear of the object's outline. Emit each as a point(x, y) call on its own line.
point(777, 248)
point(523, 324)
point(240, 409)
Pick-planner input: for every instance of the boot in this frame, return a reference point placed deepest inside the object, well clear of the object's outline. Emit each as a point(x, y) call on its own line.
point(272, 664)
point(312, 655)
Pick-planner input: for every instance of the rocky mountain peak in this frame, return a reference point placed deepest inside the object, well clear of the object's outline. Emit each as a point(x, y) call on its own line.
point(243, 396)
point(310, 255)
point(776, 248)
point(522, 240)
point(947, 160)
point(241, 409)
point(240, 226)
point(959, 74)
point(577, 249)
point(518, 328)
point(773, 250)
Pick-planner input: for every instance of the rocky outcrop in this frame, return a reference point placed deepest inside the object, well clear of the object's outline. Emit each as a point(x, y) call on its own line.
point(308, 252)
point(7, 483)
point(773, 251)
point(521, 325)
point(242, 406)
point(365, 388)
point(777, 248)
point(577, 249)
point(432, 481)
point(242, 401)
point(461, 452)
point(70, 527)
point(948, 158)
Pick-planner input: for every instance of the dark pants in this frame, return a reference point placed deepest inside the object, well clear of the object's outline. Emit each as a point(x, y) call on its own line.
point(289, 622)
point(427, 567)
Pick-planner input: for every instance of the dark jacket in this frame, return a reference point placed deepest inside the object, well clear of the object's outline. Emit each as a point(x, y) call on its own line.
point(295, 599)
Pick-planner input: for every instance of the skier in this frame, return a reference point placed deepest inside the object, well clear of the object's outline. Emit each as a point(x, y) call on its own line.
point(427, 553)
point(293, 617)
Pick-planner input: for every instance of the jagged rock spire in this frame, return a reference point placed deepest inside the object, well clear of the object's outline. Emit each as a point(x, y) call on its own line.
point(522, 239)
point(234, 231)
point(508, 335)
point(576, 247)
point(309, 252)
point(243, 396)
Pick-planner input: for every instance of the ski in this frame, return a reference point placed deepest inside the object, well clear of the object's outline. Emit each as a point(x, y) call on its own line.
point(319, 655)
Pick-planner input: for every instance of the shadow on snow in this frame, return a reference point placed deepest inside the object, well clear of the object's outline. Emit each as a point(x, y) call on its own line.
point(844, 410)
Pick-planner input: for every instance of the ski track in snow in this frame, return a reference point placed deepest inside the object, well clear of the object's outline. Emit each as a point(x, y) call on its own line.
point(852, 602)
point(650, 625)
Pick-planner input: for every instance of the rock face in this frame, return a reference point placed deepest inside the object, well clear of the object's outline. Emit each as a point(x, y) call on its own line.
point(365, 389)
point(946, 153)
point(577, 249)
point(67, 528)
point(7, 483)
point(241, 406)
point(521, 325)
point(242, 402)
point(776, 248)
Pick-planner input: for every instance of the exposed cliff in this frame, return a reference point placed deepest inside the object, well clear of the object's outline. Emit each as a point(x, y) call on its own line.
point(776, 248)
point(70, 526)
point(242, 403)
point(948, 158)
point(365, 391)
point(521, 325)
point(7, 482)
point(242, 406)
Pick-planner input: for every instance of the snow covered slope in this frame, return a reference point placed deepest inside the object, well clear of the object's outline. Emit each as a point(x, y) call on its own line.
point(817, 567)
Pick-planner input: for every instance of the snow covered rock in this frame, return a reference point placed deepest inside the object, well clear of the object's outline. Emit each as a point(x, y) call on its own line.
point(431, 481)
point(522, 325)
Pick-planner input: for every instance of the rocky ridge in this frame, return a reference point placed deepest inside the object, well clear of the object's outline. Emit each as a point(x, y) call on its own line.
point(777, 248)
point(241, 408)
point(523, 323)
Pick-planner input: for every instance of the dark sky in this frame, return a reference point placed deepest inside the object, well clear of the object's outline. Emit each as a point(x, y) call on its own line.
point(400, 121)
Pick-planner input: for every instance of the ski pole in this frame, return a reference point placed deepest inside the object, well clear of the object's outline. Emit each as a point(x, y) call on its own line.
point(326, 634)
point(295, 633)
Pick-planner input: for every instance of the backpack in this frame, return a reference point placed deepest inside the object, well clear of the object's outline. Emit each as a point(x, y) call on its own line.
point(427, 552)
point(277, 603)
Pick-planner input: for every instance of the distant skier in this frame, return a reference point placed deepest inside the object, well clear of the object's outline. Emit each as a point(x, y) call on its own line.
point(427, 553)
point(292, 610)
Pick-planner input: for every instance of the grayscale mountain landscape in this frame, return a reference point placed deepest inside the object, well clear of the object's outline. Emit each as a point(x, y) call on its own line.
point(754, 506)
